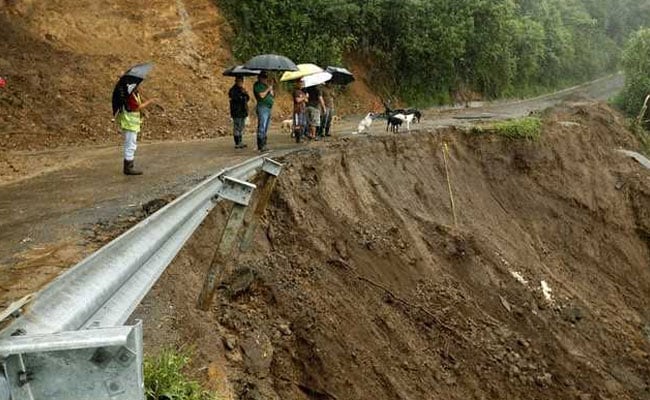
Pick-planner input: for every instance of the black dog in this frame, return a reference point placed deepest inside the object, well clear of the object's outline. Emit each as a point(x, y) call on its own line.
point(394, 123)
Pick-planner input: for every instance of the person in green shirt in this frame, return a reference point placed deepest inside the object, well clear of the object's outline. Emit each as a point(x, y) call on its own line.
point(265, 96)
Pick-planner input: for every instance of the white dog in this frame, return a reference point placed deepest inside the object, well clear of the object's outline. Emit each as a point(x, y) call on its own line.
point(365, 123)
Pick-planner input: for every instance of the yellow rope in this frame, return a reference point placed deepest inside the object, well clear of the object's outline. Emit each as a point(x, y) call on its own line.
point(445, 152)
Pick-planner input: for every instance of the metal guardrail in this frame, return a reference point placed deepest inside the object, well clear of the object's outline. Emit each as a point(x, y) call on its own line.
point(73, 330)
point(640, 158)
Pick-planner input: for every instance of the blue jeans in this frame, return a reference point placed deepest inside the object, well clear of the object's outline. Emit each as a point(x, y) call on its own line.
point(263, 122)
point(238, 129)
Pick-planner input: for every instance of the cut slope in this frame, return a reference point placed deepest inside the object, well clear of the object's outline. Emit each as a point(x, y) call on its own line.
point(62, 58)
point(360, 287)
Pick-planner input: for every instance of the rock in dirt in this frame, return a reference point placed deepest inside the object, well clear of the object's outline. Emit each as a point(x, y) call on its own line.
point(258, 353)
point(505, 304)
point(241, 281)
point(573, 314)
point(229, 343)
point(284, 329)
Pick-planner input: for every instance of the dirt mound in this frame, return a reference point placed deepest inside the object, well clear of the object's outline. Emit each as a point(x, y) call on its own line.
point(62, 58)
point(361, 287)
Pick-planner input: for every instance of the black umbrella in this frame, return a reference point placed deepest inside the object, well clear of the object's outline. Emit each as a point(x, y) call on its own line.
point(239, 70)
point(127, 84)
point(271, 62)
point(139, 71)
point(340, 76)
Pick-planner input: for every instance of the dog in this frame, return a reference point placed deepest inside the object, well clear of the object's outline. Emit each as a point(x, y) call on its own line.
point(365, 123)
point(396, 120)
point(286, 125)
point(417, 114)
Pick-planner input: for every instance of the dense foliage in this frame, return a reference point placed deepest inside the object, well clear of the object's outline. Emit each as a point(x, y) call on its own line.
point(428, 49)
point(636, 63)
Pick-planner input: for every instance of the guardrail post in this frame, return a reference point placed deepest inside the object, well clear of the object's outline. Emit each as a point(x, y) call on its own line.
point(5, 393)
point(271, 170)
point(239, 192)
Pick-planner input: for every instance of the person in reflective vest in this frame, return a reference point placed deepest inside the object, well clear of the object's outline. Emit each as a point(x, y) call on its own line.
point(129, 121)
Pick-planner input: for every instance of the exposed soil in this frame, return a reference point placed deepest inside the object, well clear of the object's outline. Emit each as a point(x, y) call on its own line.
point(360, 286)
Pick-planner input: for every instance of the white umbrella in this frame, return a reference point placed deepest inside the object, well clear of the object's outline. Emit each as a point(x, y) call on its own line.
point(316, 79)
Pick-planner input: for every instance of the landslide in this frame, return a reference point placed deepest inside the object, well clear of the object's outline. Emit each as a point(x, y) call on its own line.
point(361, 287)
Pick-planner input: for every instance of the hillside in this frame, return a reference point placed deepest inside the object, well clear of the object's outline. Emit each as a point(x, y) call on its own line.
point(61, 59)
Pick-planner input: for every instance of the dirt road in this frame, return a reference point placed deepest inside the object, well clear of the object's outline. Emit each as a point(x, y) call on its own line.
point(63, 207)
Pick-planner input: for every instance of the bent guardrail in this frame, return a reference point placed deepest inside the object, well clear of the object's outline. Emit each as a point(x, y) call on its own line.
point(71, 332)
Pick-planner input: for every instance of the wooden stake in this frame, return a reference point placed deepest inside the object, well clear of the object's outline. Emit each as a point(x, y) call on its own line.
point(222, 259)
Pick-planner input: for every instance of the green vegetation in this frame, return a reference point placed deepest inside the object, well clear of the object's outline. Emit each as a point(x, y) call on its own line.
point(636, 63)
point(522, 128)
point(164, 378)
point(427, 51)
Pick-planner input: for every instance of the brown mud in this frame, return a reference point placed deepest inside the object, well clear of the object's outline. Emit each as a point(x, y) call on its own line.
point(360, 286)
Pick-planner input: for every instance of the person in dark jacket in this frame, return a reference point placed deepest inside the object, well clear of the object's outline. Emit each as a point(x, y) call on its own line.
point(238, 110)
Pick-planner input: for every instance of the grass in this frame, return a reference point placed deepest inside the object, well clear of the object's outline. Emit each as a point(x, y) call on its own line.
point(164, 378)
point(521, 128)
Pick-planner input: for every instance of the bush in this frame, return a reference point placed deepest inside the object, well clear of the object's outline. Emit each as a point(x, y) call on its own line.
point(636, 64)
point(164, 378)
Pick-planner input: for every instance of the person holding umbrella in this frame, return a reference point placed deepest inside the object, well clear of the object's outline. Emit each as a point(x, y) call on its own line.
point(264, 92)
point(238, 110)
point(326, 118)
point(342, 77)
point(315, 102)
point(127, 107)
point(265, 97)
point(299, 120)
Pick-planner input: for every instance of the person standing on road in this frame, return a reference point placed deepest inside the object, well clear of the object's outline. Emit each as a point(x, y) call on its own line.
point(129, 120)
point(265, 96)
point(315, 104)
point(328, 114)
point(238, 110)
point(299, 121)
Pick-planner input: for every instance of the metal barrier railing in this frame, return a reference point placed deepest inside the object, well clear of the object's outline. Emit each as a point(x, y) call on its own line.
point(69, 343)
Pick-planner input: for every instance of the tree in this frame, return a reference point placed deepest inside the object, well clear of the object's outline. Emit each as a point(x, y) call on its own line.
point(421, 50)
point(636, 64)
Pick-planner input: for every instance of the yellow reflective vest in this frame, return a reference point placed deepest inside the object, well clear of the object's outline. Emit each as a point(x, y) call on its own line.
point(130, 120)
